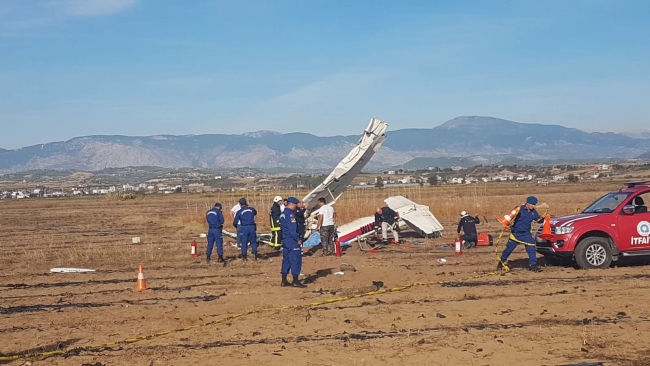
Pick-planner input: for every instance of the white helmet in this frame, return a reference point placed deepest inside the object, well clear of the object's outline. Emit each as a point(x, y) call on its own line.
point(277, 199)
point(463, 213)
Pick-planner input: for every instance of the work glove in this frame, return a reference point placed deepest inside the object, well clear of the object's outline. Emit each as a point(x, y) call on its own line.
point(542, 205)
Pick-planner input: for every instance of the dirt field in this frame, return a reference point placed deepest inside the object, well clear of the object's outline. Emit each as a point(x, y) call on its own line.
point(468, 317)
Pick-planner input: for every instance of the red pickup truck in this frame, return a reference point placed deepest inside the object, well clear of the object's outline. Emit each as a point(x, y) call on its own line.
point(615, 225)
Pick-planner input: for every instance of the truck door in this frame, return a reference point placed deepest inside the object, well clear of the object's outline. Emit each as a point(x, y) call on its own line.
point(634, 229)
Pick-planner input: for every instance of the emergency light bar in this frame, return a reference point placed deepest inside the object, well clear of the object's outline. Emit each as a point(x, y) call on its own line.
point(639, 183)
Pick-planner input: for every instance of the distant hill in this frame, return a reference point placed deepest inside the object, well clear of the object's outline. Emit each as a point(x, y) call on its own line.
point(640, 134)
point(645, 156)
point(423, 163)
point(516, 161)
point(479, 139)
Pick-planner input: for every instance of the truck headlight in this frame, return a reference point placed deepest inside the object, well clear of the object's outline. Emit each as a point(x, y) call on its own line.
point(560, 230)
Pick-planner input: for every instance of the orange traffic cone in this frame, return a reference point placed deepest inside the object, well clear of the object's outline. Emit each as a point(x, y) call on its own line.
point(546, 231)
point(505, 220)
point(141, 285)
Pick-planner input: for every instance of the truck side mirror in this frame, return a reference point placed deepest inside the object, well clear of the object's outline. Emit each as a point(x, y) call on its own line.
point(628, 210)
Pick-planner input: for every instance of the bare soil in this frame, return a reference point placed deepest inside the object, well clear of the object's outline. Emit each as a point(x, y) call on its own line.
point(468, 317)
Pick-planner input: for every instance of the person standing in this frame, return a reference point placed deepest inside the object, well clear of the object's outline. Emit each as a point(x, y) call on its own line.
point(215, 220)
point(326, 227)
point(245, 222)
point(291, 245)
point(386, 218)
point(520, 234)
point(274, 216)
point(468, 223)
point(233, 212)
point(301, 219)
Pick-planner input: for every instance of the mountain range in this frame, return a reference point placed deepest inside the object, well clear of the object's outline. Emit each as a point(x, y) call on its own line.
point(476, 139)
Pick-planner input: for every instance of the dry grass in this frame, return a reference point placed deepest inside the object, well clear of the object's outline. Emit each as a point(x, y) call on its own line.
point(445, 201)
point(98, 232)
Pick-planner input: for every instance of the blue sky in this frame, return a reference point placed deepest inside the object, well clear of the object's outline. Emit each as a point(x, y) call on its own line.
point(147, 67)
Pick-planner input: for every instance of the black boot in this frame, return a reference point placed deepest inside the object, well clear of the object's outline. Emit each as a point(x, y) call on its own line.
point(220, 259)
point(244, 258)
point(207, 260)
point(534, 268)
point(297, 283)
point(255, 257)
point(285, 283)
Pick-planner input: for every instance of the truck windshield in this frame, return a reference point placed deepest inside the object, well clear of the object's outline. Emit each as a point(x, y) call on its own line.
point(607, 203)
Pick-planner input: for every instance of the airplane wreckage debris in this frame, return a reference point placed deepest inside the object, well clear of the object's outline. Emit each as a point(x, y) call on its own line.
point(415, 216)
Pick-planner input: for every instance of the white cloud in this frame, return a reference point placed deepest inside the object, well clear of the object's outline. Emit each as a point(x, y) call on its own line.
point(16, 17)
point(89, 8)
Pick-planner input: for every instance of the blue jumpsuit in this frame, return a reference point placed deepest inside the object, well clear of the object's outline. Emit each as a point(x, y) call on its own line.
point(245, 224)
point(520, 234)
point(291, 251)
point(215, 220)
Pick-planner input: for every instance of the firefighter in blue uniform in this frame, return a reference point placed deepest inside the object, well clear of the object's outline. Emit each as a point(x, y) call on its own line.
point(215, 220)
point(245, 223)
point(291, 245)
point(520, 234)
point(276, 229)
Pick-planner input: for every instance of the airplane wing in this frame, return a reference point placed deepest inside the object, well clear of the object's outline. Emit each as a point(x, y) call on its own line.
point(417, 217)
point(344, 173)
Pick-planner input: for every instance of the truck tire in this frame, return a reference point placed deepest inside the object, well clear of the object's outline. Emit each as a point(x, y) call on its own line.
point(593, 253)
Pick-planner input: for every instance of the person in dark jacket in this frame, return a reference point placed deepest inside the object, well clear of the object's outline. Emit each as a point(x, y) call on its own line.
point(274, 216)
point(468, 225)
point(520, 234)
point(386, 218)
point(301, 219)
point(291, 246)
point(245, 222)
point(215, 220)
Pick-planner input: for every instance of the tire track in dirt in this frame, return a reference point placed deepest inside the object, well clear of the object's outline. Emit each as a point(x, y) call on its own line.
point(58, 307)
point(369, 335)
point(22, 286)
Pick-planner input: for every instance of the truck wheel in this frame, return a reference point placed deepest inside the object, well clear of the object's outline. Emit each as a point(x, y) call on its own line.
point(593, 253)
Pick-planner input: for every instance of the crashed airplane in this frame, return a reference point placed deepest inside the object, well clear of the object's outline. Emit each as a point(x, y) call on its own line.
point(418, 217)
